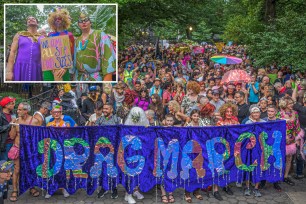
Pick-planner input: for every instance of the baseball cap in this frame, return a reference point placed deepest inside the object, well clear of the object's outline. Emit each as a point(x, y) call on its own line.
point(215, 91)
point(254, 108)
point(231, 86)
point(6, 100)
point(92, 88)
point(263, 99)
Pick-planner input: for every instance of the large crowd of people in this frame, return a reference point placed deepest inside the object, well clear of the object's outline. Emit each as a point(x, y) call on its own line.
point(174, 87)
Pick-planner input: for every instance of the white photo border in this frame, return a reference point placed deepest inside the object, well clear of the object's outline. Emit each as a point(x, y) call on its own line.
point(56, 82)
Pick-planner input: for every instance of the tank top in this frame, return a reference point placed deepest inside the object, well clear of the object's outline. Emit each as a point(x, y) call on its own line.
point(42, 116)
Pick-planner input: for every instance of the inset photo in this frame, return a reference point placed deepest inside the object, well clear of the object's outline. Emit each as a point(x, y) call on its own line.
point(56, 43)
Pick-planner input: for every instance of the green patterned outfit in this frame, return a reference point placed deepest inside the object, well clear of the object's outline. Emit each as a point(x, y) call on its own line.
point(94, 57)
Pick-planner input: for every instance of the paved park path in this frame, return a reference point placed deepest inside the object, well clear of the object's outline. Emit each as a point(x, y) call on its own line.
point(289, 195)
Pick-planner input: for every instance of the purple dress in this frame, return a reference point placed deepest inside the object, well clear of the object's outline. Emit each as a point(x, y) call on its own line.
point(27, 66)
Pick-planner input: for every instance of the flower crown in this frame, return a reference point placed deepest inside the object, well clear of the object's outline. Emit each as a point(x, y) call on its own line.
point(135, 117)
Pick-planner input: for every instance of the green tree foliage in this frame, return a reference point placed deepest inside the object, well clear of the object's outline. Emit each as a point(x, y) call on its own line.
point(102, 18)
point(273, 30)
point(202, 33)
point(283, 42)
point(16, 19)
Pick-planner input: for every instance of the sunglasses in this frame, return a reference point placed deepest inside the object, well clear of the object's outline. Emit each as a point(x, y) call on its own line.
point(58, 18)
point(84, 20)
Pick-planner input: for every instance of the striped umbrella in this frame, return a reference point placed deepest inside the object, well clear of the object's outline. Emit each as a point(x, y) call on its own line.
point(226, 59)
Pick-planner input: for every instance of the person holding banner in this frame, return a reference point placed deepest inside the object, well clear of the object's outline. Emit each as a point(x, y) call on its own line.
point(196, 121)
point(136, 117)
point(23, 119)
point(272, 111)
point(58, 122)
point(108, 118)
point(169, 122)
point(294, 133)
point(228, 113)
point(95, 57)
point(24, 63)
point(59, 21)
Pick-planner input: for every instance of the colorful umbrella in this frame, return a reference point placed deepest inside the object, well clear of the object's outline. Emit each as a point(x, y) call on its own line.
point(234, 76)
point(226, 59)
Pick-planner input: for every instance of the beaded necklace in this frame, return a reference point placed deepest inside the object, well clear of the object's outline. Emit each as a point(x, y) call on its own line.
point(85, 44)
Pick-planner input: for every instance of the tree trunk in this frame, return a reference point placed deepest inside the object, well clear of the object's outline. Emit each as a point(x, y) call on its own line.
point(188, 34)
point(270, 11)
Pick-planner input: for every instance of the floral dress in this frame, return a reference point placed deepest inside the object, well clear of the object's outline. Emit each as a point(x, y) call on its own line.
point(202, 123)
point(292, 130)
point(187, 104)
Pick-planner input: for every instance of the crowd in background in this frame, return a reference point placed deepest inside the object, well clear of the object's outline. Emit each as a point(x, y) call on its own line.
point(176, 87)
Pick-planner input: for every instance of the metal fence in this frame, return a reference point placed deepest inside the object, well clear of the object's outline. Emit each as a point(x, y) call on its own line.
point(37, 100)
point(23, 90)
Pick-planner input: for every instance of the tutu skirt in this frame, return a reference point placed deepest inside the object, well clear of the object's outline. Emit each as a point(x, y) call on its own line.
point(290, 149)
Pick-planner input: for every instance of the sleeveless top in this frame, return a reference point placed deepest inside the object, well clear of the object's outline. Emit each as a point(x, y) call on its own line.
point(42, 116)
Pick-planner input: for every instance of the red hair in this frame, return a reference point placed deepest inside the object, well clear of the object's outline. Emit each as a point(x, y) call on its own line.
point(129, 96)
point(194, 86)
point(207, 110)
point(201, 83)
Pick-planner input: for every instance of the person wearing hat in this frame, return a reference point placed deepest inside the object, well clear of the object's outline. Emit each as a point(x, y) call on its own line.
point(88, 107)
point(254, 115)
point(68, 101)
point(129, 71)
point(81, 100)
point(40, 115)
point(95, 54)
point(216, 100)
point(6, 117)
point(156, 89)
point(254, 118)
point(119, 94)
point(73, 92)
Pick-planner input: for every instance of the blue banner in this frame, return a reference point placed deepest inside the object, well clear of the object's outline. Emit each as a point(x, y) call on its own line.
point(190, 158)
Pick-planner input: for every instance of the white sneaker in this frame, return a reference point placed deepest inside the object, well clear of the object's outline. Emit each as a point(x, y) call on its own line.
point(138, 195)
point(239, 185)
point(47, 196)
point(129, 198)
point(66, 194)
